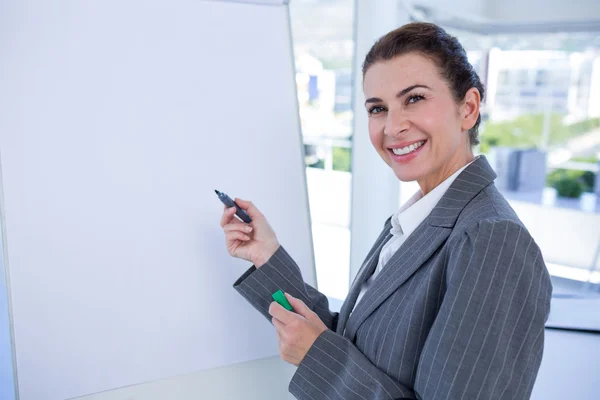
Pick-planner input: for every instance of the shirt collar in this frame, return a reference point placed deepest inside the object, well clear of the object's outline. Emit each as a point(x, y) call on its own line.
point(418, 207)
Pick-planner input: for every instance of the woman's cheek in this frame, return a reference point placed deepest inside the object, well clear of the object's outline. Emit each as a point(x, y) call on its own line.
point(428, 119)
point(375, 134)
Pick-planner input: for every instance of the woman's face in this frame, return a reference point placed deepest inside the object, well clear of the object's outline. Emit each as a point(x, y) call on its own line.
point(415, 124)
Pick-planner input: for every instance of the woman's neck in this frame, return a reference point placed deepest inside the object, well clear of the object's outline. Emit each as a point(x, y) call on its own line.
point(430, 182)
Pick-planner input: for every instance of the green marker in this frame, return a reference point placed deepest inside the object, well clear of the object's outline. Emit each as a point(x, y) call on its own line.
point(279, 297)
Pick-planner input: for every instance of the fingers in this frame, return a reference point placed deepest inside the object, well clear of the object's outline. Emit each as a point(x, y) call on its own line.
point(237, 228)
point(237, 231)
point(237, 235)
point(228, 215)
point(286, 351)
point(283, 315)
point(299, 306)
point(279, 326)
point(250, 208)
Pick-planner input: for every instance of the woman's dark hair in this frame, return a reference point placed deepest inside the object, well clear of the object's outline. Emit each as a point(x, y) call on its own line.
point(443, 49)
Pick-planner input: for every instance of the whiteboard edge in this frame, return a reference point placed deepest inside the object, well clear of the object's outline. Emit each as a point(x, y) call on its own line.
point(302, 155)
point(4, 255)
point(254, 2)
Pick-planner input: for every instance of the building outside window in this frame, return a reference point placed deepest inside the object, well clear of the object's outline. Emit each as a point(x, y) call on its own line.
point(541, 131)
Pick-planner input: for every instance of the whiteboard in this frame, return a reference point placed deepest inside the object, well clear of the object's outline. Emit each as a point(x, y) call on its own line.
point(119, 119)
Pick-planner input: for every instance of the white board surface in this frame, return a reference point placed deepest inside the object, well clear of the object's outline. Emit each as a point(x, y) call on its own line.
point(119, 119)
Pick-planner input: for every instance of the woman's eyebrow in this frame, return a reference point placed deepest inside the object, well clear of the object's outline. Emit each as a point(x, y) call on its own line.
point(398, 95)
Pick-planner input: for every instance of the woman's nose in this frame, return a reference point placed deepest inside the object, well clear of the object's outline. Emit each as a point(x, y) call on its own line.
point(396, 124)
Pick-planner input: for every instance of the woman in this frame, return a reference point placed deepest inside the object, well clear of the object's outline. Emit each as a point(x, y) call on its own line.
point(451, 301)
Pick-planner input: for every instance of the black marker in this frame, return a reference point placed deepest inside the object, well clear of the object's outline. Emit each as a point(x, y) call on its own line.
point(230, 203)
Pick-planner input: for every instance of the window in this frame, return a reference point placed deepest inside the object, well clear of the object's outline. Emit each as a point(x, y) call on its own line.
point(322, 31)
point(550, 117)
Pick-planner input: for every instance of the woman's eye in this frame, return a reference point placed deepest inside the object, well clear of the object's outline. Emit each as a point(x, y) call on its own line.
point(414, 99)
point(376, 110)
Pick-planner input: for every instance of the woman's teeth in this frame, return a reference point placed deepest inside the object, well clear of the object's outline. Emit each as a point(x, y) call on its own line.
point(408, 149)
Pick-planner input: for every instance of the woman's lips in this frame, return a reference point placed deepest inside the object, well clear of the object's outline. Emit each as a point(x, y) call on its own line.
point(405, 158)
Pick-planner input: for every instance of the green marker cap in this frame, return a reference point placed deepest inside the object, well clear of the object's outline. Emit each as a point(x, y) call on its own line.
point(279, 297)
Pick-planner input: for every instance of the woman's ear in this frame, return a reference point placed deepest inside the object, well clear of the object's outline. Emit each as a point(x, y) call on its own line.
point(470, 109)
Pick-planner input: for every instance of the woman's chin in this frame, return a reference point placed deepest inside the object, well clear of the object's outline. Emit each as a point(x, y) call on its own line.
point(407, 174)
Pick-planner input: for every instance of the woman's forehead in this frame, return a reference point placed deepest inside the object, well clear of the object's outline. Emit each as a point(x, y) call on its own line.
point(399, 72)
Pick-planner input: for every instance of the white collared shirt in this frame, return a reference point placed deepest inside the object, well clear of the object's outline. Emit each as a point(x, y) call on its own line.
point(406, 220)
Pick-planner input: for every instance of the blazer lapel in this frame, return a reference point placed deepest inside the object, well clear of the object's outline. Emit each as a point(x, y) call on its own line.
point(366, 270)
point(429, 236)
point(418, 247)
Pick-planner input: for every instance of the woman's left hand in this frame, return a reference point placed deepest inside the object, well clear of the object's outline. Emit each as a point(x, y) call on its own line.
point(296, 330)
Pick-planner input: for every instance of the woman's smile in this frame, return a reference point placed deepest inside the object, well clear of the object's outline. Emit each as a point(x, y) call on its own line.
point(407, 151)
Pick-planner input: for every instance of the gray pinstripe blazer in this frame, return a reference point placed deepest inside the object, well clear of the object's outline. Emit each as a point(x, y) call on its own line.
point(457, 313)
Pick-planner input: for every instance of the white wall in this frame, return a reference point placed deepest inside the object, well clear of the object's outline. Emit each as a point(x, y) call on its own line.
point(569, 368)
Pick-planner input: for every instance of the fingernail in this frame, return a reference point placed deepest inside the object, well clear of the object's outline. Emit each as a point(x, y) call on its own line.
point(248, 229)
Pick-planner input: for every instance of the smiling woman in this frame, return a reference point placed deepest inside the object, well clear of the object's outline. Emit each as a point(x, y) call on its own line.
point(451, 301)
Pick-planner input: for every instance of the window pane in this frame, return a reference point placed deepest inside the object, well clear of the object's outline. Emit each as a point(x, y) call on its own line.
point(323, 46)
point(541, 131)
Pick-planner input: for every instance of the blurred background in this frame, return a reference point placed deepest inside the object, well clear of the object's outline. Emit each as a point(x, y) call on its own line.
point(540, 130)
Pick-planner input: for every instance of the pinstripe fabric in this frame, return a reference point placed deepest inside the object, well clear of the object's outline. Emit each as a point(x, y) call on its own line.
point(457, 313)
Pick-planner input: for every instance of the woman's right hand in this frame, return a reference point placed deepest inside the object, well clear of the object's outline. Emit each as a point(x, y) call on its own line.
point(255, 242)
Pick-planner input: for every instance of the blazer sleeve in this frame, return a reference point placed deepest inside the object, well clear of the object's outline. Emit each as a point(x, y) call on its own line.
point(486, 342)
point(281, 272)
